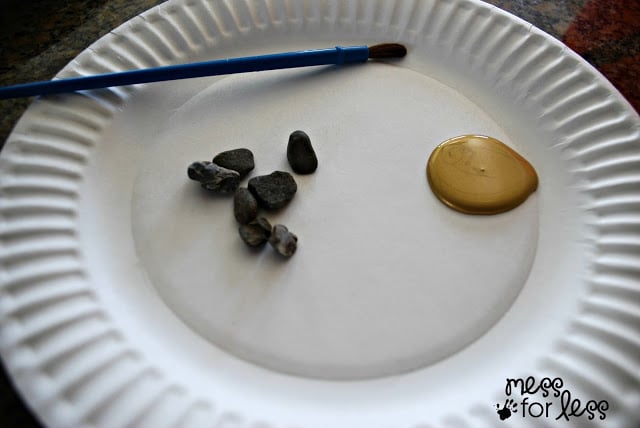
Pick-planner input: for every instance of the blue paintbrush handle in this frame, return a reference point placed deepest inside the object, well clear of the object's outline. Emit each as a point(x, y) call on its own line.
point(337, 55)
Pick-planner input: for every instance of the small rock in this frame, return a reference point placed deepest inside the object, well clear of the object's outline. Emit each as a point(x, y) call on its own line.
point(283, 241)
point(300, 153)
point(214, 177)
point(256, 232)
point(273, 191)
point(245, 206)
point(240, 160)
point(196, 170)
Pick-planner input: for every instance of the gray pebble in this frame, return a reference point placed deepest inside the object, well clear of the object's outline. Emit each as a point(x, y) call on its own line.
point(196, 170)
point(283, 241)
point(256, 232)
point(214, 177)
point(273, 191)
point(300, 153)
point(245, 206)
point(240, 160)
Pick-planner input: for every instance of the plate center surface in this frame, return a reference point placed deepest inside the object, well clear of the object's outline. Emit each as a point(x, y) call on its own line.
point(386, 278)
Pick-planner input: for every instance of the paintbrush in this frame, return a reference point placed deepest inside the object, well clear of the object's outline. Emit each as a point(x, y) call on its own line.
point(338, 55)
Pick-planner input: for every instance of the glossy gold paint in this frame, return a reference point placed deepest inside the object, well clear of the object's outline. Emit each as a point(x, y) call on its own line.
point(475, 174)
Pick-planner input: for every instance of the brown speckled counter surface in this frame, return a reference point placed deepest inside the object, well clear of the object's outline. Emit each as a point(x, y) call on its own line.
point(39, 37)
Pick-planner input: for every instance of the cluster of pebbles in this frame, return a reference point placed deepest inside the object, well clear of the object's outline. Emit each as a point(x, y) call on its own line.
point(274, 191)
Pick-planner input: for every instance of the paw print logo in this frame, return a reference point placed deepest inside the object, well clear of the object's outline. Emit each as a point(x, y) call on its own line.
point(509, 408)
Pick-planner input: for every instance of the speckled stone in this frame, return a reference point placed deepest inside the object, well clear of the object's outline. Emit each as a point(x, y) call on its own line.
point(245, 206)
point(240, 160)
point(273, 191)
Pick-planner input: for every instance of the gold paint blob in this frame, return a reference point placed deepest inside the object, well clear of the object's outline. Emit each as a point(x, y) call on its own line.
point(475, 174)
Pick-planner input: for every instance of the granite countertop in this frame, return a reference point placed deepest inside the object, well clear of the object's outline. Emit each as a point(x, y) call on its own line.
point(39, 37)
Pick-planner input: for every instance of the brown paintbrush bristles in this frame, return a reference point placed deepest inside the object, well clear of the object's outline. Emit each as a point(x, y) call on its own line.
point(387, 50)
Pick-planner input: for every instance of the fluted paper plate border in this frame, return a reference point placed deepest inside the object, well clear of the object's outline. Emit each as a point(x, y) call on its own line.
point(76, 367)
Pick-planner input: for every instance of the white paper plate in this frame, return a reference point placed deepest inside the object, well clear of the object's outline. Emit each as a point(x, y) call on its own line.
point(128, 299)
